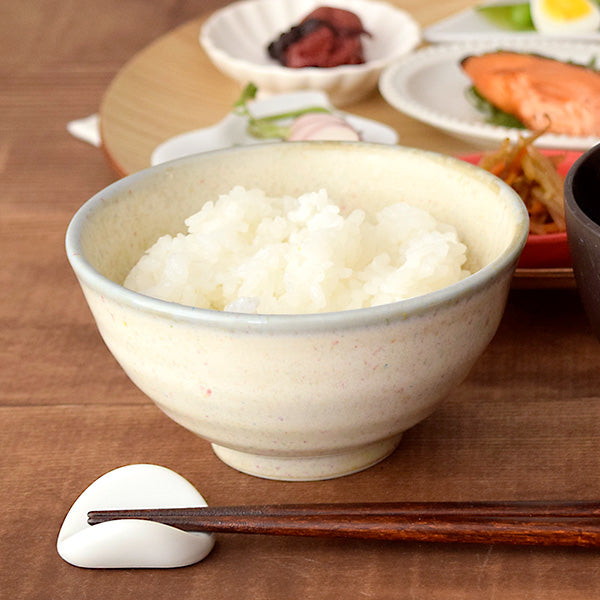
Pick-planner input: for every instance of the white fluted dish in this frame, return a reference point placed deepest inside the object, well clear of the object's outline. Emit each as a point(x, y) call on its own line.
point(236, 39)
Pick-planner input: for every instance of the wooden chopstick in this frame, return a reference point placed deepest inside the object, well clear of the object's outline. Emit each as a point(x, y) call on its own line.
point(522, 523)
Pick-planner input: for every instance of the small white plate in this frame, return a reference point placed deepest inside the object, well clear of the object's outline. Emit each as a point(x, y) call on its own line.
point(430, 86)
point(231, 131)
point(470, 25)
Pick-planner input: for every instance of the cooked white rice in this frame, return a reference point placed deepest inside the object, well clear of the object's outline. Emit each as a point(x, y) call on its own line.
point(247, 252)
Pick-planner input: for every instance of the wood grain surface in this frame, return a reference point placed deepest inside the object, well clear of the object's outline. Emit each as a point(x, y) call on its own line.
point(172, 87)
point(523, 426)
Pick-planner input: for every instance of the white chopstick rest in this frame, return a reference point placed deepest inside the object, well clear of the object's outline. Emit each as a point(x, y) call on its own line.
point(133, 543)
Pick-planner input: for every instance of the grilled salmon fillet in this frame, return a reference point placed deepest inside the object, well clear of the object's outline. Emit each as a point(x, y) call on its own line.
point(543, 93)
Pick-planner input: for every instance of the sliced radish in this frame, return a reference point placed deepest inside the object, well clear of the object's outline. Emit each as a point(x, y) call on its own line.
point(321, 126)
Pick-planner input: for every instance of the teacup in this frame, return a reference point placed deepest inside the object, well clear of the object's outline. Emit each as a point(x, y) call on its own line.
point(582, 208)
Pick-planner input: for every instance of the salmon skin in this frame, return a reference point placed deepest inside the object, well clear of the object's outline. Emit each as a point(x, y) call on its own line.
point(542, 92)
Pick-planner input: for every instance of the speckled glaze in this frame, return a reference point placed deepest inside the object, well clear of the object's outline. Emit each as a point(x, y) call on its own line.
point(299, 397)
point(582, 212)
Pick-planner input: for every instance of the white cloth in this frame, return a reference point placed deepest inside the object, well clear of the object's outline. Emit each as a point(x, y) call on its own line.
point(86, 129)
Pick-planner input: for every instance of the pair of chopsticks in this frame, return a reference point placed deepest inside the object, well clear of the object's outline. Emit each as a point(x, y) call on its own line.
point(516, 523)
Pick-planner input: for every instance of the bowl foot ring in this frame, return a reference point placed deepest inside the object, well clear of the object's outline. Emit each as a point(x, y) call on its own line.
point(307, 468)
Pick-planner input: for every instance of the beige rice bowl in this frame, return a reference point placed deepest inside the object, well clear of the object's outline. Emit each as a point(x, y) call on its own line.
point(299, 305)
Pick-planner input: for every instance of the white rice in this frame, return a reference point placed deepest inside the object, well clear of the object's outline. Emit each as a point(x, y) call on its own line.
point(247, 252)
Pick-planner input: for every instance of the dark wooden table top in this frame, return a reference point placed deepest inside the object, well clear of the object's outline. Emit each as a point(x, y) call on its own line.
point(523, 426)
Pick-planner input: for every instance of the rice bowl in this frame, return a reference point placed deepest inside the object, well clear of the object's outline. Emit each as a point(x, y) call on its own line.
point(302, 396)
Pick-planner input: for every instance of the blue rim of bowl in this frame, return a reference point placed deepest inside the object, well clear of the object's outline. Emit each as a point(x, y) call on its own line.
point(306, 322)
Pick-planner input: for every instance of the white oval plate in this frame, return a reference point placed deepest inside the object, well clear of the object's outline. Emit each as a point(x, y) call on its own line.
point(470, 25)
point(430, 86)
point(231, 131)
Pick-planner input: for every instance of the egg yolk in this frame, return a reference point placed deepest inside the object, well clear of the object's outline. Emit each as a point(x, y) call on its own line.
point(566, 10)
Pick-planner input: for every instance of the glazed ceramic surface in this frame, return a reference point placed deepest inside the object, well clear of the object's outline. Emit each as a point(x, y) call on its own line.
point(582, 211)
point(236, 39)
point(311, 396)
point(133, 543)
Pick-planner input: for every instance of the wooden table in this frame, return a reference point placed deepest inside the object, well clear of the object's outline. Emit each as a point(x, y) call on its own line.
point(524, 425)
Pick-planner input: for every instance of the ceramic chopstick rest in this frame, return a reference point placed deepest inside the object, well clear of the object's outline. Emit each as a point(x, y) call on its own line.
point(133, 543)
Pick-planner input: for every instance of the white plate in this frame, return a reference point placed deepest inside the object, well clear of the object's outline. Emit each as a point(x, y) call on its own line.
point(430, 86)
point(231, 131)
point(470, 25)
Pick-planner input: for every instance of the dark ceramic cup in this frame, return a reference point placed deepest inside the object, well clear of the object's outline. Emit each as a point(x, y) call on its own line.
point(582, 208)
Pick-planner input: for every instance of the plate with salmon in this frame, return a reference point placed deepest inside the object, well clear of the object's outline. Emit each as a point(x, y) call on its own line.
point(490, 91)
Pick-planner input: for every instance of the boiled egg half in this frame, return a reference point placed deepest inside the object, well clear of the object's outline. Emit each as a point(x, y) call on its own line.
point(565, 16)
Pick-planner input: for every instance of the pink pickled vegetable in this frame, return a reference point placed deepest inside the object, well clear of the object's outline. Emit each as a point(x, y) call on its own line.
point(321, 126)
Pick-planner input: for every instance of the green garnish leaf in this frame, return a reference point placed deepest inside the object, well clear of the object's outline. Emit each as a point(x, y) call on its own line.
point(516, 17)
point(491, 113)
point(248, 93)
point(261, 129)
point(267, 127)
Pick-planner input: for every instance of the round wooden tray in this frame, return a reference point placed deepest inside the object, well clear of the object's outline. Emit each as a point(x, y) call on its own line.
point(171, 87)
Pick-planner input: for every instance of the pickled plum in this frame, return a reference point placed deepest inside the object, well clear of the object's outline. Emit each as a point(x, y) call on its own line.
point(327, 37)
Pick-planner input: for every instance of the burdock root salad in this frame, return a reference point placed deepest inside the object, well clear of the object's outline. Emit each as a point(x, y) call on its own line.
point(327, 37)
